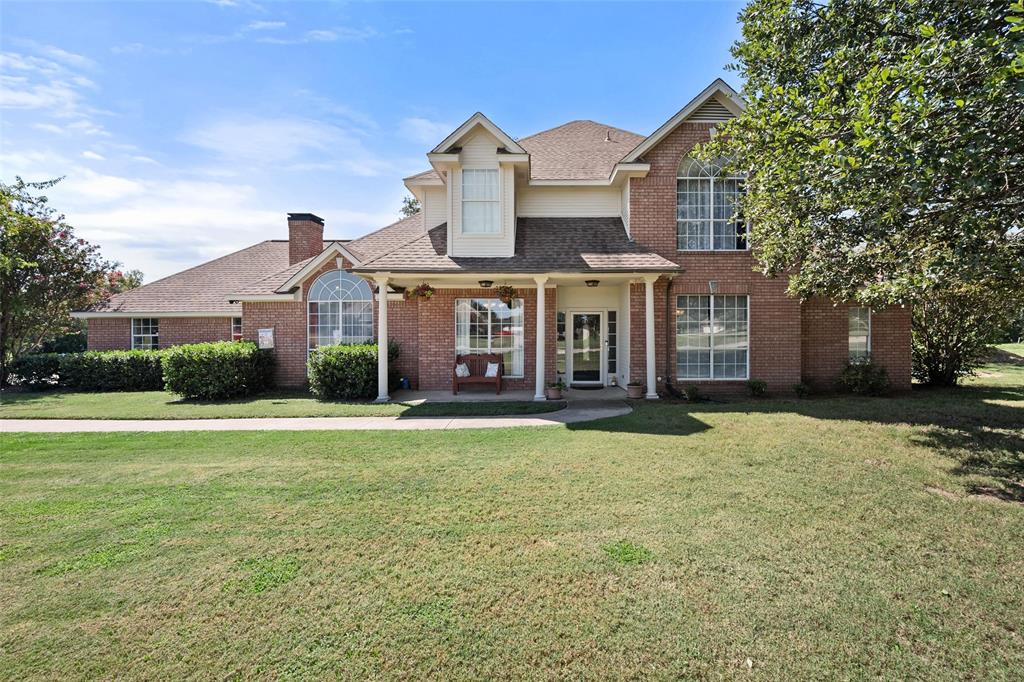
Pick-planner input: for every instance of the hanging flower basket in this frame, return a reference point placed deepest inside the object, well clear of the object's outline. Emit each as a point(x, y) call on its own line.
point(505, 294)
point(422, 291)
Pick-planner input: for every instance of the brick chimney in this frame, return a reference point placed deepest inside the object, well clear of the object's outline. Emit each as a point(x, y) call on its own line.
point(305, 236)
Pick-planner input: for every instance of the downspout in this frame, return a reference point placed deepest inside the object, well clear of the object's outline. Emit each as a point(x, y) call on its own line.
point(669, 342)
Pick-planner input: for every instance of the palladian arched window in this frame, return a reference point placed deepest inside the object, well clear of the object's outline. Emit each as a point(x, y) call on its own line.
point(707, 217)
point(340, 310)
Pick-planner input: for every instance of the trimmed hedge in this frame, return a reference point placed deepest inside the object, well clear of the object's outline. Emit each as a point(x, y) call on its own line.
point(217, 371)
point(348, 372)
point(115, 370)
point(864, 378)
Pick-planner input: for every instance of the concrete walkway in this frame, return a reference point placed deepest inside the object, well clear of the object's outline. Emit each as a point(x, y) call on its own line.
point(578, 411)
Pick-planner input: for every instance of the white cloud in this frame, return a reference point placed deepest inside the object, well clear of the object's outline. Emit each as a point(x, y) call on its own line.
point(424, 131)
point(89, 154)
point(54, 88)
point(264, 25)
point(65, 57)
point(327, 35)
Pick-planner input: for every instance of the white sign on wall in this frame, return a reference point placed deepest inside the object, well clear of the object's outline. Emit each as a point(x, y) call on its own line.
point(265, 338)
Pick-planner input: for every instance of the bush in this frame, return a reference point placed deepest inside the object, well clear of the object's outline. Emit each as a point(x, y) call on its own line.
point(217, 371)
point(802, 390)
point(115, 370)
point(864, 378)
point(692, 393)
point(36, 371)
point(347, 372)
point(757, 387)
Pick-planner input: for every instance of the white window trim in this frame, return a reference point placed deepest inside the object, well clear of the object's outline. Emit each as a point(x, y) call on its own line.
point(711, 349)
point(496, 202)
point(849, 352)
point(455, 321)
point(308, 300)
point(132, 333)
point(233, 329)
point(711, 220)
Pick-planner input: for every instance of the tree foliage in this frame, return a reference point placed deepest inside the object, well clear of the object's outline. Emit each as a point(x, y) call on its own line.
point(45, 271)
point(410, 206)
point(884, 145)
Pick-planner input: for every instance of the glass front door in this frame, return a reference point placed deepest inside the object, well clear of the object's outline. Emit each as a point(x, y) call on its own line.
point(587, 366)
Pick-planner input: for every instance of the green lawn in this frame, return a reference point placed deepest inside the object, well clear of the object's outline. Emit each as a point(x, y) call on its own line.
point(830, 538)
point(162, 405)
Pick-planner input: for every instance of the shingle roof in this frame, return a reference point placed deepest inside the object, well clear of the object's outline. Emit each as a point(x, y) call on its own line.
point(578, 150)
point(204, 288)
point(542, 245)
point(386, 238)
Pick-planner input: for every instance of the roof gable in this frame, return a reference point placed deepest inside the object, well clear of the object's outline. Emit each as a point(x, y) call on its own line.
point(477, 119)
point(713, 104)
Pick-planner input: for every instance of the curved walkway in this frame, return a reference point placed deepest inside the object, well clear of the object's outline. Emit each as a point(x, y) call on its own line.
point(575, 413)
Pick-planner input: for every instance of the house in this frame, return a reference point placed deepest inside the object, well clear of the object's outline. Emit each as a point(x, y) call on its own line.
point(627, 261)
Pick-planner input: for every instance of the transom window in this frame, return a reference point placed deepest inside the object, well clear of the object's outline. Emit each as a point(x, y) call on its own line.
point(859, 325)
point(707, 217)
point(486, 325)
point(340, 310)
point(145, 333)
point(236, 329)
point(712, 337)
point(480, 214)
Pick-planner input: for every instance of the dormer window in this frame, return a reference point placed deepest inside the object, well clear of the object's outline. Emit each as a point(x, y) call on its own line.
point(707, 218)
point(480, 209)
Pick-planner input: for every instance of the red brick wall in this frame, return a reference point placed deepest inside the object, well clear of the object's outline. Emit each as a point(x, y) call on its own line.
point(115, 333)
point(826, 343)
point(305, 239)
point(779, 327)
point(288, 320)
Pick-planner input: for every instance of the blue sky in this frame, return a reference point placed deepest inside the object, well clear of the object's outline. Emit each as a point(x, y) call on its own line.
point(187, 130)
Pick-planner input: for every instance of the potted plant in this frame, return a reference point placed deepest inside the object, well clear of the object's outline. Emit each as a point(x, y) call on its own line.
point(554, 390)
point(505, 293)
point(635, 390)
point(424, 291)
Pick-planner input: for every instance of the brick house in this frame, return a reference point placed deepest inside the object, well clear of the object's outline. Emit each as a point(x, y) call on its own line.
point(627, 261)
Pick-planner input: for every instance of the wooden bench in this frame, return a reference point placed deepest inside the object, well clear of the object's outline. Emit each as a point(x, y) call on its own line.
point(477, 364)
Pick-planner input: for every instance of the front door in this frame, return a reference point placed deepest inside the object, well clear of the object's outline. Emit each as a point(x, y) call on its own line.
point(586, 357)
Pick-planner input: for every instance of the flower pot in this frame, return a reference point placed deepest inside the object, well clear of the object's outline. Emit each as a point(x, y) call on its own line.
point(634, 391)
point(553, 393)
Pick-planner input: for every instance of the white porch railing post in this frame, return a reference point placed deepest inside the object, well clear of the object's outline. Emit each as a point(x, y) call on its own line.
point(652, 377)
point(541, 333)
point(382, 339)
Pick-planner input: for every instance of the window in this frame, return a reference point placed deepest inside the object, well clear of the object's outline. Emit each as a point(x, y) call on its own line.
point(340, 310)
point(859, 326)
point(560, 342)
point(706, 209)
point(486, 325)
point(145, 333)
point(236, 329)
point(712, 340)
point(613, 343)
point(480, 214)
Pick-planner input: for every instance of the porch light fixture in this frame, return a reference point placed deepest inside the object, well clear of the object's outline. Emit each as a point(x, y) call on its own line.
point(592, 283)
point(485, 283)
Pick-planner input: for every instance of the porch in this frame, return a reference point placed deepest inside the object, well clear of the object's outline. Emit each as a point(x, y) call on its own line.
point(474, 395)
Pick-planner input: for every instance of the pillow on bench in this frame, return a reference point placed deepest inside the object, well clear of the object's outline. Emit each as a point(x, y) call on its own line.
point(492, 370)
point(462, 370)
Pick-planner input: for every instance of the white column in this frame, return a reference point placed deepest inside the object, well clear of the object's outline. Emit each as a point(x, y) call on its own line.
point(541, 333)
point(382, 339)
point(652, 377)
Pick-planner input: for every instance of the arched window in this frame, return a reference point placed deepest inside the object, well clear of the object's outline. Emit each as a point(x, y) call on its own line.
point(340, 310)
point(706, 208)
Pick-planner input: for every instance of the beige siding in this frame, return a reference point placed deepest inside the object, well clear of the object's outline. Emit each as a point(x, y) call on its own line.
point(435, 206)
point(624, 204)
point(479, 150)
point(569, 202)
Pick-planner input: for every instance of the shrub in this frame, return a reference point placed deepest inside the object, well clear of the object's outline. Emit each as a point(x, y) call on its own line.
point(864, 378)
point(36, 371)
point(116, 370)
point(692, 393)
point(347, 372)
point(802, 390)
point(217, 371)
point(757, 387)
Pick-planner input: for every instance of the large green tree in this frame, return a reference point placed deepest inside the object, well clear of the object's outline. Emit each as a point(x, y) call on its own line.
point(883, 142)
point(45, 271)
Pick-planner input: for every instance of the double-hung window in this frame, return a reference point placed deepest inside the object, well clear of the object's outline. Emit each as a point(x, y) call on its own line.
point(480, 206)
point(707, 208)
point(712, 337)
point(236, 329)
point(486, 325)
point(145, 333)
point(859, 328)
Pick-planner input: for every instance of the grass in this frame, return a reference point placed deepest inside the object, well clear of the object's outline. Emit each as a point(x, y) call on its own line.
point(163, 405)
point(780, 539)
